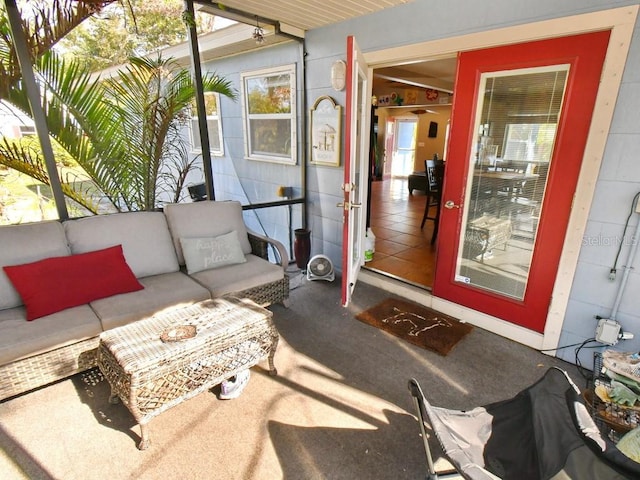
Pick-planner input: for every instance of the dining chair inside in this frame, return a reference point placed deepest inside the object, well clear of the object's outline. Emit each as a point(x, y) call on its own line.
point(435, 175)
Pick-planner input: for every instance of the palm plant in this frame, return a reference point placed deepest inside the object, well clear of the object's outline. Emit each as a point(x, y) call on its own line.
point(123, 132)
point(150, 100)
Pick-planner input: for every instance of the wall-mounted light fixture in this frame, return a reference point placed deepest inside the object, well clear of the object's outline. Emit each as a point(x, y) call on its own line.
point(258, 33)
point(338, 75)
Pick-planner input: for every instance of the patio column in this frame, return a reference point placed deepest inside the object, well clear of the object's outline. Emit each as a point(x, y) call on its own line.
point(200, 107)
point(37, 112)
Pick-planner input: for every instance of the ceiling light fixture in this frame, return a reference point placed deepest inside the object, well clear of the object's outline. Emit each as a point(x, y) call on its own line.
point(258, 33)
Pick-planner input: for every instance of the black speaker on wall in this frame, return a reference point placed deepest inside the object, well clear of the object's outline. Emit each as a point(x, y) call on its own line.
point(433, 129)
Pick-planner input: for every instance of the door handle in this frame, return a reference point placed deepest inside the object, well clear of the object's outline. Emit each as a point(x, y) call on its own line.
point(348, 205)
point(450, 204)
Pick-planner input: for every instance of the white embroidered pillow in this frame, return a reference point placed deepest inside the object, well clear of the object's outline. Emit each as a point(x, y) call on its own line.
point(205, 253)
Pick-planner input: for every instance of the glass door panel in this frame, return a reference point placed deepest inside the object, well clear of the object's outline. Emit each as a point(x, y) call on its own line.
point(515, 131)
point(356, 161)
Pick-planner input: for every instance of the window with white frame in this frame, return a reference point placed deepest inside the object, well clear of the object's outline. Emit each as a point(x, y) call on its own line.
point(214, 125)
point(27, 130)
point(269, 114)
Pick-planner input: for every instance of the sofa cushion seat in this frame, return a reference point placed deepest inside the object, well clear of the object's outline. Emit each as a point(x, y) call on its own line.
point(236, 278)
point(160, 292)
point(21, 339)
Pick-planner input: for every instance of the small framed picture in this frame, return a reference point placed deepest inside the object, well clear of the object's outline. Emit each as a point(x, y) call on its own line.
point(326, 118)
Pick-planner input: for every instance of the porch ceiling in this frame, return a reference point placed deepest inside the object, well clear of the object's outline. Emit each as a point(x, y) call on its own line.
point(294, 17)
point(305, 14)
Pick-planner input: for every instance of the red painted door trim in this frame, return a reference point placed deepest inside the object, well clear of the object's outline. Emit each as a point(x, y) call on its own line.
point(585, 54)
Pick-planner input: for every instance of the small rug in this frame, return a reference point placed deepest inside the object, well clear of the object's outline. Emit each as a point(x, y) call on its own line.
point(416, 324)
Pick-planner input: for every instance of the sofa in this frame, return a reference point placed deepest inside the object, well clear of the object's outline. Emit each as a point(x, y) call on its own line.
point(63, 283)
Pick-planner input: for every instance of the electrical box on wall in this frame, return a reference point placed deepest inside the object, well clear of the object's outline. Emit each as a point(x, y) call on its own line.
point(607, 331)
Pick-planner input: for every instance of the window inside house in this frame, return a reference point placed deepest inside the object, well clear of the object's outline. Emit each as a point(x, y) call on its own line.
point(27, 130)
point(529, 142)
point(214, 125)
point(269, 111)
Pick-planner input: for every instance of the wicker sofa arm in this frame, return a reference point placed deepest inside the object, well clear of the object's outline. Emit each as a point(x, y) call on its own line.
point(260, 247)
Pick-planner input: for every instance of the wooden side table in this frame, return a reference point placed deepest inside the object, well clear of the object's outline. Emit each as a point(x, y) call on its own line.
point(150, 375)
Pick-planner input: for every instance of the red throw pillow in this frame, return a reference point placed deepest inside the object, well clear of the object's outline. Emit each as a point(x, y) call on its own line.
point(54, 284)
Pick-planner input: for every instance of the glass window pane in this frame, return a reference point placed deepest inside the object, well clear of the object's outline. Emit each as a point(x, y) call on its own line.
point(215, 143)
point(518, 114)
point(406, 135)
point(214, 138)
point(271, 136)
point(196, 143)
point(211, 103)
point(269, 94)
point(269, 114)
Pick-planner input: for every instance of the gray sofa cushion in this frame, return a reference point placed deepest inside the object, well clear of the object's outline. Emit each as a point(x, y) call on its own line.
point(160, 292)
point(144, 236)
point(236, 278)
point(25, 244)
point(205, 219)
point(21, 339)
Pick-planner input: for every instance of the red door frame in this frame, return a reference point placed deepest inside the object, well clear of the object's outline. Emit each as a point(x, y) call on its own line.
point(585, 54)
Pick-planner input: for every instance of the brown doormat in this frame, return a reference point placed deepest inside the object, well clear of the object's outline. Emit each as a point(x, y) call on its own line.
point(416, 324)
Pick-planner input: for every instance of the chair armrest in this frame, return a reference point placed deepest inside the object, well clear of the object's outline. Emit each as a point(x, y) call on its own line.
point(260, 247)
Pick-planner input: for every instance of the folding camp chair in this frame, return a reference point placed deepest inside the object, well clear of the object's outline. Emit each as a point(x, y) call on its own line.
point(544, 432)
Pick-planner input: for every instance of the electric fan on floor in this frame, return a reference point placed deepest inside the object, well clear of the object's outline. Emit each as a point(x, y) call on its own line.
point(320, 268)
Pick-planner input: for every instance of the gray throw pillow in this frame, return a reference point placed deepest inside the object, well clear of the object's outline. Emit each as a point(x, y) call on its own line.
point(204, 253)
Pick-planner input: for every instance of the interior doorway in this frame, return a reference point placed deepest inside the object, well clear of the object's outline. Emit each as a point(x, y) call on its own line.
point(412, 117)
point(404, 147)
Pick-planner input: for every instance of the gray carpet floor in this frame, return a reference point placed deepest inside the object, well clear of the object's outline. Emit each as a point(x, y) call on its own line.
point(339, 407)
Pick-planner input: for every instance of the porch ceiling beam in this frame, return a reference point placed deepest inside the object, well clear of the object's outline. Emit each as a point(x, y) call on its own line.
point(215, 8)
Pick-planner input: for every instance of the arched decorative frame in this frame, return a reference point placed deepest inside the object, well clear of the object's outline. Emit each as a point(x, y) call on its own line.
point(326, 132)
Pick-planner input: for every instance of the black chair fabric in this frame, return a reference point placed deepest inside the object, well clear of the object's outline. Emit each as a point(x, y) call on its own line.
point(545, 432)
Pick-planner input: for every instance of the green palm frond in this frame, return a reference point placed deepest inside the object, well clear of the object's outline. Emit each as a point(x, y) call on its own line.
point(51, 22)
point(150, 95)
point(22, 157)
point(124, 132)
point(46, 24)
point(77, 118)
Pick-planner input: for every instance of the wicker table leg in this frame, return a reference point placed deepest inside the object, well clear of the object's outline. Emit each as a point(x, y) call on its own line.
point(145, 437)
point(273, 371)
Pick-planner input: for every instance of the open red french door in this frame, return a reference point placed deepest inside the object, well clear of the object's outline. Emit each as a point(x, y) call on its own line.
point(356, 172)
point(519, 126)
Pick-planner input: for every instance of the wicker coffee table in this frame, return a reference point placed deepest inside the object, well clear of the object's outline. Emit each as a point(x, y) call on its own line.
point(151, 375)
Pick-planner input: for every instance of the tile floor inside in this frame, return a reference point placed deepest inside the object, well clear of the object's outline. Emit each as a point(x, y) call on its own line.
point(403, 250)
